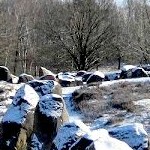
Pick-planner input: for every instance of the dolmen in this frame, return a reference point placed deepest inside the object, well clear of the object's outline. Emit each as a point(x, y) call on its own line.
point(37, 112)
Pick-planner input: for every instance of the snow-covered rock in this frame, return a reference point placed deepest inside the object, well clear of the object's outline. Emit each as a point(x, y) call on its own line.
point(7, 92)
point(130, 71)
point(68, 134)
point(77, 136)
point(96, 77)
point(65, 79)
point(24, 78)
point(133, 134)
point(43, 87)
point(5, 74)
point(51, 105)
point(99, 139)
point(43, 71)
point(139, 72)
point(128, 67)
point(114, 75)
point(24, 101)
point(17, 122)
point(80, 73)
point(86, 76)
point(48, 118)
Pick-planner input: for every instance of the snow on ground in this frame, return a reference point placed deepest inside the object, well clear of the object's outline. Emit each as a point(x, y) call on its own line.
point(67, 95)
point(143, 115)
point(132, 80)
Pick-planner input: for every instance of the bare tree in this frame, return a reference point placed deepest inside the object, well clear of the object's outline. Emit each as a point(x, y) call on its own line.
point(81, 29)
point(86, 30)
point(138, 30)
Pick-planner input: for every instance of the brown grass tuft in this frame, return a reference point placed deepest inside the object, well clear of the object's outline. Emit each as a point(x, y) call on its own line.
point(96, 101)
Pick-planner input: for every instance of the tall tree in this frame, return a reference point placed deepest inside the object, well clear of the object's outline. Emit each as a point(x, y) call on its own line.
point(86, 29)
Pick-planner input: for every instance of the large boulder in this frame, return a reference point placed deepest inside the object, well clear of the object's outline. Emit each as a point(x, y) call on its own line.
point(139, 72)
point(47, 77)
point(133, 134)
point(86, 76)
point(24, 78)
point(5, 74)
point(78, 77)
point(44, 87)
point(126, 71)
point(95, 78)
point(68, 134)
point(130, 71)
point(17, 123)
point(77, 136)
point(99, 139)
point(80, 73)
point(146, 67)
point(112, 75)
point(65, 80)
point(43, 71)
point(7, 92)
point(48, 119)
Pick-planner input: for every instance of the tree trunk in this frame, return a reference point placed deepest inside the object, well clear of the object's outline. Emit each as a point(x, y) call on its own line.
point(119, 62)
point(16, 61)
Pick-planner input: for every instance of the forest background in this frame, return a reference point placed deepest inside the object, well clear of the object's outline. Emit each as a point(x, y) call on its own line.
point(73, 34)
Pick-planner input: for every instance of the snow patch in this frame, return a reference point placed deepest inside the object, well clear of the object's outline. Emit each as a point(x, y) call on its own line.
point(133, 80)
point(102, 140)
point(128, 67)
point(69, 133)
point(49, 105)
point(98, 73)
point(24, 101)
point(66, 77)
point(133, 134)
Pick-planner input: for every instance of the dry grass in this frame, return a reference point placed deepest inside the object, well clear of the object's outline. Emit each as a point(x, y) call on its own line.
point(96, 101)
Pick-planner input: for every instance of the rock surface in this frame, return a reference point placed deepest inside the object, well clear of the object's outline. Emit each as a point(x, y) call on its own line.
point(95, 78)
point(48, 119)
point(68, 135)
point(77, 136)
point(43, 71)
point(24, 78)
point(5, 74)
point(18, 121)
point(43, 87)
point(133, 134)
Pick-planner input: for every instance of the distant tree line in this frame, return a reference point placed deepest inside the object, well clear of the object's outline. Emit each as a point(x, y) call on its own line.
point(73, 34)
